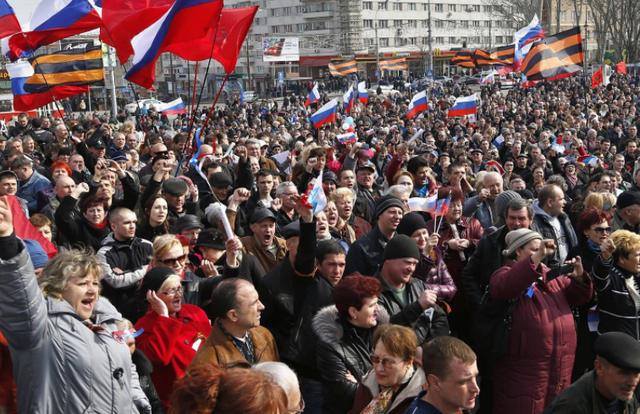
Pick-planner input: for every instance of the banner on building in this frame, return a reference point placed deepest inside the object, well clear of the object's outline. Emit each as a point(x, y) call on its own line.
point(280, 49)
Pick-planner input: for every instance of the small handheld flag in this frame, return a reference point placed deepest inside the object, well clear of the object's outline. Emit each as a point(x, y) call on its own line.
point(326, 114)
point(417, 105)
point(313, 96)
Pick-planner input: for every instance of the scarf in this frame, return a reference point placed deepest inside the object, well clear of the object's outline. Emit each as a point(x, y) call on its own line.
point(383, 401)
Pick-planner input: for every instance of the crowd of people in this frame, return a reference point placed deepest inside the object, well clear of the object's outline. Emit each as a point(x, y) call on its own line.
point(164, 278)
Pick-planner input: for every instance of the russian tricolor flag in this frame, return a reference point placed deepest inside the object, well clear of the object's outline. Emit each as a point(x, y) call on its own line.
point(8, 21)
point(348, 138)
point(186, 20)
point(313, 96)
point(52, 21)
point(529, 33)
point(347, 100)
point(326, 114)
point(418, 105)
point(363, 93)
point(464, 105)
point(589, 160)
point(175, 107)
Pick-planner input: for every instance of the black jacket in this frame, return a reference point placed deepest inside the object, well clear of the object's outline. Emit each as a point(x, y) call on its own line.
point(365, 254)
point(542, 225)
point(144, 367)
point(342, 349)
point(583, 398)
point(427, 324)
point(486, 259)
point(75, 229)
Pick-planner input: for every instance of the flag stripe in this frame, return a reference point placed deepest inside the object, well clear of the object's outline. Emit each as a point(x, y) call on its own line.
point(558, 55)
point(66, 78)
point(92, 52)
point(343, 69)
point(65, 17)
point(72, 66)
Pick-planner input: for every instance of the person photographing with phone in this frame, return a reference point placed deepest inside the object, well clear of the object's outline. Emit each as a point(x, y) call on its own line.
point(541, 341)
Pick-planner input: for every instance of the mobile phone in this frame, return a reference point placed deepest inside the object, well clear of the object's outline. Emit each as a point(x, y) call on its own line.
point(566, 269)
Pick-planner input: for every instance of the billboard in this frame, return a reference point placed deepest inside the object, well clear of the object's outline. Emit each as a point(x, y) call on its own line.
point(280, 49)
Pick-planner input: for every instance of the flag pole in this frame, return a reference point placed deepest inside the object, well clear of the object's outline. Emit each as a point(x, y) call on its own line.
point(193, 96)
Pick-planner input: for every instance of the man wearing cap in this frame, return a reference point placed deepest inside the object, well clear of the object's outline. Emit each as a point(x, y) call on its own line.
point(263, 244)
point(124, 259)
point(405, 298)
point(31, 181)
point(365, 254)
point(521, 167)
point(477, 164)
point(627, 215)
point(366, 194)
point(612, 386)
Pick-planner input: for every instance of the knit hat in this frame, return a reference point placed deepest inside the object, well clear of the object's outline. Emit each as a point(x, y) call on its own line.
point(410, 223)
point(387, 202)
point(502, 200)
point(518, 238)
point(37, 254)
point(154, 279)
point(400, 247)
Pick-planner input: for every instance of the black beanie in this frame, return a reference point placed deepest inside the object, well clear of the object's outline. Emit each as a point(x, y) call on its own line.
point(387, 202)
point(154, 279)
point(400, 247)
point(410, 223)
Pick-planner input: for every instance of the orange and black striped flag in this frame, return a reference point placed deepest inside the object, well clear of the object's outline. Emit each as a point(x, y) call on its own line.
point(503, 54)
point(344, 68)
point(464, 58)
point(485, 58)
point(74, 67)
point(556, 56)
point(394, 64)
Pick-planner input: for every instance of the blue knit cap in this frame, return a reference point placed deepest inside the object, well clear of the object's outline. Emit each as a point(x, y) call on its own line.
point(38, 256)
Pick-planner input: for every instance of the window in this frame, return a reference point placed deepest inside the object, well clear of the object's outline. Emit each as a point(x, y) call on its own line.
point(367, 23)
point(439, 40)
point(475, 23)
point(425, 40)
point(486, 9)
point(397, 23)
point(412, 7)
point(475, 8)
point(487, 23)
point(397, 6)
point(439, 24)
point(413, 40)
point(452, 7)
point(452, 39)
point(384, 42)
point(367, 5)
point(382, 5)
point(412, 24)
point(383, 24)
point(498, 39)
point(439, 8)
point(464, 24)
point(486, 40)
point(425, 24)
point(368, 42)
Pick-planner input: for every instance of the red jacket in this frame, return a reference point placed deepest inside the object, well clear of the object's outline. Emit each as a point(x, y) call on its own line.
point(542, 341)
point(169, 344)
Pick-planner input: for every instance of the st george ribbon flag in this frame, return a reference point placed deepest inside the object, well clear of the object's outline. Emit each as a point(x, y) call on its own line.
point(185, 21)
point(52, 21)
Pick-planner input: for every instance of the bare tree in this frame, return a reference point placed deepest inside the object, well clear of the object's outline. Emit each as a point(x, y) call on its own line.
point(519, 12)
point(616, 24)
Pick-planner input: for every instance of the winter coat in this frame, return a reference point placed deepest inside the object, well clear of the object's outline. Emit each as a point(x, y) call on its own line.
point(435, 276)
point(583, 398)
point(427, 323)
point(342, 349)
point(219, 350)
point(171, 343)
point(617, 306)
point(61, 365)
point(76, 229)
point(542, 340)
point(468, 228)
point(266, 259)
point(369, 388)
point(29, 190)
point(541, 224)
point(132, 258)
point(486, 259)
point(365, 254)
point(480, 210)
point(145, 369)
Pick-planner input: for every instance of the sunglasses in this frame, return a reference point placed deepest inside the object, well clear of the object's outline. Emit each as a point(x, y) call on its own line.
point(602, 229)
point(173, 261)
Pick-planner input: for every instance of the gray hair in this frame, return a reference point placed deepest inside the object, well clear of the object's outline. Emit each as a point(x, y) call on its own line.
point(282, 187)
point(282, 375)
point(65, 266)
point(398, 191)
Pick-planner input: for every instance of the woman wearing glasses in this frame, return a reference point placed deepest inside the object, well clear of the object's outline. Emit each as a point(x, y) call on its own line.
point(394, 380)
point(173, 331)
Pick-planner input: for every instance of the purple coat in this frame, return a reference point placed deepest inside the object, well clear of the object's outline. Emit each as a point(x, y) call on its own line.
point(542, 341)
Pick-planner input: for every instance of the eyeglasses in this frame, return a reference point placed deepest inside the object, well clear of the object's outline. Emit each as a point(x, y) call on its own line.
point(386, 362)
point(602, 229)
point(174, 260)
point(173, 291)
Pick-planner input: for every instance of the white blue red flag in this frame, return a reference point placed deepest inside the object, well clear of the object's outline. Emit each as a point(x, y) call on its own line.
point(175, 107)
point(52, 21)
point(417, 105)
point(524, 38)
point(326, 114)
point(347, 138)
point(363, 93)
point(464, 105)
point(8, 21)
point(185, 20)
point(347, 100)
point(313, 96)
point(317, 198)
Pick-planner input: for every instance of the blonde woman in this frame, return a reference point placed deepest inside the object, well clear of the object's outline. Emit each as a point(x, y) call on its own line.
point(65, 358)
point(169, 253)
point(343, 200)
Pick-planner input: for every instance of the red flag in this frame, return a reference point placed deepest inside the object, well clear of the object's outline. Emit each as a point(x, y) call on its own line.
point(597, 78)
point(233, 26)
point(621, 67)
point(123, 19)
point(25, 230)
